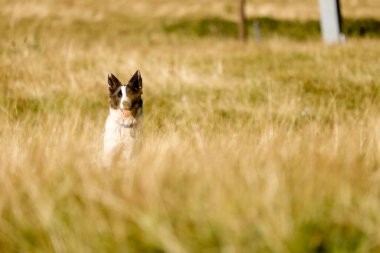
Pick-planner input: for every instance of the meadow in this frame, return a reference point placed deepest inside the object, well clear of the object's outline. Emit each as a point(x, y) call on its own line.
point(267, 146)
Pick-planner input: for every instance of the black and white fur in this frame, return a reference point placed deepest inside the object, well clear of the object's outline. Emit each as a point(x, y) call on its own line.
point(125, 115)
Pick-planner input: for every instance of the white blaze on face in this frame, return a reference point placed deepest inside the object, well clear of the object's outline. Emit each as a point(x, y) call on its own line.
point(123, 96)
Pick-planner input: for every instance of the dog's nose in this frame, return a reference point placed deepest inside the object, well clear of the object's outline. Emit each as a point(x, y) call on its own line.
point(126, 103)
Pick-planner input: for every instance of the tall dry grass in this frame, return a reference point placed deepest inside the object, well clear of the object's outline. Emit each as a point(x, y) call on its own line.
point(270, 147)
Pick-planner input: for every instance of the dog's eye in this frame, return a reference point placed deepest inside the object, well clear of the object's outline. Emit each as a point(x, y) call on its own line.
point(119, 94)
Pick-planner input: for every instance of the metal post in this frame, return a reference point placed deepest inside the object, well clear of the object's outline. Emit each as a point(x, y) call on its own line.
point(331, 21)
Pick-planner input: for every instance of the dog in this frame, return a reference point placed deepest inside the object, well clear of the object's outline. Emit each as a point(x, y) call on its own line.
point(124, 119)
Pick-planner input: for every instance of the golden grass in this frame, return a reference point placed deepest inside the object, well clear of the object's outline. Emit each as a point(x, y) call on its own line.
point(270, 147)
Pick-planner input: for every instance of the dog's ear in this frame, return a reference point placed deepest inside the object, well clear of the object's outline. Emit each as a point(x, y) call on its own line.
point(136, 81)
point(113, 83)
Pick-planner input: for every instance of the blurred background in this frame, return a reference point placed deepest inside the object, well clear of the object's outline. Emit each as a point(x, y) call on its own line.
point(265, 144)
point(293, 19)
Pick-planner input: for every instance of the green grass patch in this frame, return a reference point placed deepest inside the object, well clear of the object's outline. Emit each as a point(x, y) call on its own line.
point(268, 27)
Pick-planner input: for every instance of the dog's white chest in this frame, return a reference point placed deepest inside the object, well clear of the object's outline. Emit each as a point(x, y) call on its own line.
point(118, 138)
point(116, 132)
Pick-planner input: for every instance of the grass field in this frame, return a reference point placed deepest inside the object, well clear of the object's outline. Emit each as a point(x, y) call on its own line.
point(262, 147)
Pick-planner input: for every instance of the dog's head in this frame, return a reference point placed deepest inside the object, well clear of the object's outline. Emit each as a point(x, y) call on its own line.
point(126, 97)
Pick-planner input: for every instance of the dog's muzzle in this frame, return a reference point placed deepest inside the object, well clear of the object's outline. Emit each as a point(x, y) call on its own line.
point(126, 107)
point(127, 104)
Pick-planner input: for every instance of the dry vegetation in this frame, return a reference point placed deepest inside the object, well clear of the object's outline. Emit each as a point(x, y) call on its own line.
point(270, 147)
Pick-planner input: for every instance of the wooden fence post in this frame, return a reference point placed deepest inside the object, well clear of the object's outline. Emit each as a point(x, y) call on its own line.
point(242, 21)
